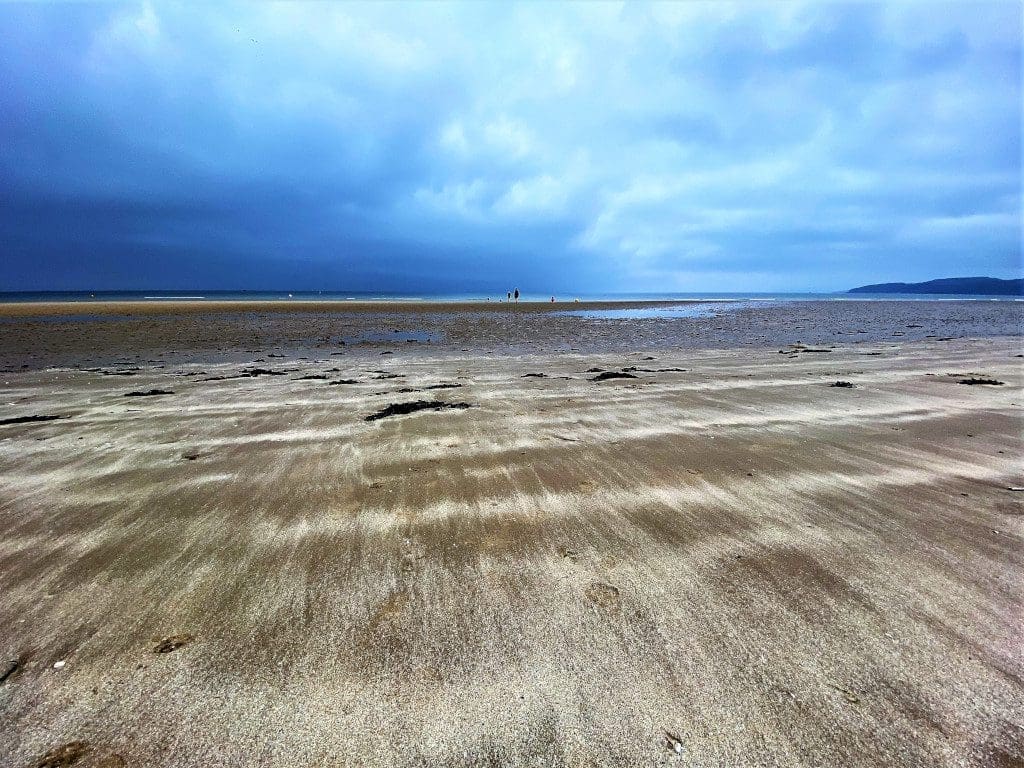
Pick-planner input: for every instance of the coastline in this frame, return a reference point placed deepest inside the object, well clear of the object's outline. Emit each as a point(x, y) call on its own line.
point(158, 307)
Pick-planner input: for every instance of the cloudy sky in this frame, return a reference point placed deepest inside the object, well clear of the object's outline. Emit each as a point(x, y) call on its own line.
point(570, 148)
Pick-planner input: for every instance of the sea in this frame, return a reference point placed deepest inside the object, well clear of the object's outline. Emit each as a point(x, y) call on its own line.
point(193, 295)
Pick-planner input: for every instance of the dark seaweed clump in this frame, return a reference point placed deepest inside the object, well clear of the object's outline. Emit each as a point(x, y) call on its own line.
point(406, 390)
point(400, 409)
point(30, 419)
point(653, 370)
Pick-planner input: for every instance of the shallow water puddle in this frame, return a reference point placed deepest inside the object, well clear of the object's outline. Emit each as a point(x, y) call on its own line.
point(656, 313)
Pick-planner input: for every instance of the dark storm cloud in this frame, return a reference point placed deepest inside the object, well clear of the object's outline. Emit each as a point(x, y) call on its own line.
point(595, 147)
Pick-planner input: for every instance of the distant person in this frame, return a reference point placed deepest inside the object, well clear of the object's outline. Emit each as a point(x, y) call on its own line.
point(515, 294)
point(509, 295)
point(552, 299)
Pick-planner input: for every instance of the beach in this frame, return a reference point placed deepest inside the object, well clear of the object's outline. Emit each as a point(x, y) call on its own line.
point(766, 535)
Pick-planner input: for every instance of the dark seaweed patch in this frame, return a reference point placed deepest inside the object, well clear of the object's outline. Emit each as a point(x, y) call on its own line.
point(30, 419)
point(653, 370)
point(251, 373)
point(990, 382)
point(406, 390)
point(400, 409)
point(794, 349)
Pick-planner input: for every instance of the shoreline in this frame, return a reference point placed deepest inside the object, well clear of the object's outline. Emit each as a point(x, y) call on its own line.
point(174, 306)
point(217, 306)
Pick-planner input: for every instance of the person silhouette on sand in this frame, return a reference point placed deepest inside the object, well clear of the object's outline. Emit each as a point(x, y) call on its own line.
point(515, 293)
point(509, 295)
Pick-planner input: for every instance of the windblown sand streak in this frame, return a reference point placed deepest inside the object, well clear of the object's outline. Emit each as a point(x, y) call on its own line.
point(775, 571)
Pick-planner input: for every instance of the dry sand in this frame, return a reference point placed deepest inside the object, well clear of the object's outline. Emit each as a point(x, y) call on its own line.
point(735, 564)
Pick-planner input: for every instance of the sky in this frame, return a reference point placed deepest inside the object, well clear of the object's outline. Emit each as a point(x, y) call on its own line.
point(580, 148)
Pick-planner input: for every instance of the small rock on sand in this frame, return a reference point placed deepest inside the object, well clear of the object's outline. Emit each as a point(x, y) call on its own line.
point(674, 743)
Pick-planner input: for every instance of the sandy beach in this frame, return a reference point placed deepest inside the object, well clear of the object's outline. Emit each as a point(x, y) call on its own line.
point(225, 549)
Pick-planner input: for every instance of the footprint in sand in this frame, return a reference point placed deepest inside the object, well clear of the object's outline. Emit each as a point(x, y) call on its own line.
point(604, 596)
point(411, 554)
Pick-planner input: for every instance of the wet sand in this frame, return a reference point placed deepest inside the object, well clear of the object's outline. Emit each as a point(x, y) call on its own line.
point(731, 564)
point(104, 333)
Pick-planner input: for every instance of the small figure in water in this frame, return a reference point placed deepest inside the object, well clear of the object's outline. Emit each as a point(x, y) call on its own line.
point(552, 299)
point(509, 294)
point(515, 294)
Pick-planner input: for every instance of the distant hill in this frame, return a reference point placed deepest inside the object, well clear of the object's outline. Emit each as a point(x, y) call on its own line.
point(972, 286)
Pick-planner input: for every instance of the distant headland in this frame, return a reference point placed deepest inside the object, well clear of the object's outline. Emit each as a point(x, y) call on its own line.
point(971, 286)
